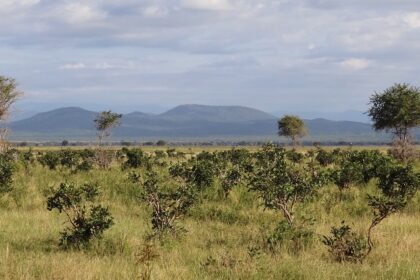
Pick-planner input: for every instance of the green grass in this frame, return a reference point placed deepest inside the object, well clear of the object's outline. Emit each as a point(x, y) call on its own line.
point(219, 237)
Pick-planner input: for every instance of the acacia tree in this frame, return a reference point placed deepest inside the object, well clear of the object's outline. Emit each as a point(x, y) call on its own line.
point(8, 95)
point(292, 127)
point(104, 122)
point(397, 109)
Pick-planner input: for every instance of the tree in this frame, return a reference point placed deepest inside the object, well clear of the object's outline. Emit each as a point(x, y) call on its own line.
point(8, 95)
point(86, 219)
point(397, 109)
point(105, 121)
point(292, 127)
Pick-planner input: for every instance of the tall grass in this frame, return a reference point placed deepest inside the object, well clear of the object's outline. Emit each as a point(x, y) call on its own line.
point(221, 241)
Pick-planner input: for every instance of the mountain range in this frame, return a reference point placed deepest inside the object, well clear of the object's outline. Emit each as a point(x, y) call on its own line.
point(184, 122)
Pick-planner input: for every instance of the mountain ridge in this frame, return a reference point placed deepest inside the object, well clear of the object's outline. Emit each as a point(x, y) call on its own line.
point(189, 121)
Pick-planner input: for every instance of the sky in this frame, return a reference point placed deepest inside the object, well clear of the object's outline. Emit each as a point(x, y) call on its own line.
point(151, 55)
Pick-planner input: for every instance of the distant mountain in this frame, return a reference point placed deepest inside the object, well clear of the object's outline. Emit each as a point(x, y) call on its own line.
point(356, 116)
point(185, 122)
point(63, 119)
point(223, 114)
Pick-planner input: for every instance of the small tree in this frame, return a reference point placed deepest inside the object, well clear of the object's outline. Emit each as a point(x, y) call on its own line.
point(292, 127)
point(105, 121)
point(397, 109)
point(169, 204)
point(282, 184)
point(9, 94)
point(86, 219)
point(398, 184)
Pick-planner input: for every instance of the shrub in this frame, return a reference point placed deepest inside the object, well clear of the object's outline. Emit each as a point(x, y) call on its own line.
point(135, 158)
point(280, 183)
point(168, 204)
point(50, 159)
point(69, 158)
point(397, 184)
point(7, 169)
point(86, 219)
point(345, 245)
point(297, 237)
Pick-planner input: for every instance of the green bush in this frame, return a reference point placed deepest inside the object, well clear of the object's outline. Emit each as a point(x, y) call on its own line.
point(86, 219)
point(345, 245)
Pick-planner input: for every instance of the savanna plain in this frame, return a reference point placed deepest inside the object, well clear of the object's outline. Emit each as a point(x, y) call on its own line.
point(218, 216)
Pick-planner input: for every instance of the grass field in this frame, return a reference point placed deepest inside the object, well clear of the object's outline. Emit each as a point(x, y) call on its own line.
point(219, 242)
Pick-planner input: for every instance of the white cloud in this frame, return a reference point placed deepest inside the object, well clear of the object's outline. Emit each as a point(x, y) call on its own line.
point(76, 13)
point(7, 6)
point(356, 63)
point(73, 66)
point(219, 5)
point(412, 19)
point(155, 11)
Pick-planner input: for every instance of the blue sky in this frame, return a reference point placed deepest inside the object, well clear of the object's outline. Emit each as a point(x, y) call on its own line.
point(275, 55)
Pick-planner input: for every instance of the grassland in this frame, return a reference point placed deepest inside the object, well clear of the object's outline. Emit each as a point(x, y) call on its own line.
point(218, 242)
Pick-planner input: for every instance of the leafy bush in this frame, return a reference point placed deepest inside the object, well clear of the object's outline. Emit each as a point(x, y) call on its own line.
point(50, 159)
point(7, 169)
point(135, 158)
point(86, 219)
point(397, 184)
point(168, 204)
point(345, 245)
point(280, 183)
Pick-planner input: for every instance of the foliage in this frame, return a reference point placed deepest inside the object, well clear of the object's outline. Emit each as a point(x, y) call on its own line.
point(168, 204)
point(292, 127)
point(135, 158)
point(50, 159)
point(9, 94)
point(86, 219)
point(7, 168)
point(281, 183)
point(397, 184)
point(297, 236)
point(397, 109)
point(104, 122)
point(345, 245)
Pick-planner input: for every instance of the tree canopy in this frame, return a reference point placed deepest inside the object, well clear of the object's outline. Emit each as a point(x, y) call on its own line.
point(8, 95)
point(292, 127)
point(397, 108)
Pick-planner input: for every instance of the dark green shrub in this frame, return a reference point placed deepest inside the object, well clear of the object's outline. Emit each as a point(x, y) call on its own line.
point(50, 159)
point(135, 158)
point(7, 168)
point(86, 219)
point(169, 204)
point(345, 245)
point(282, 184)
point(397, 184)
point(231, 179)
point(69, 158)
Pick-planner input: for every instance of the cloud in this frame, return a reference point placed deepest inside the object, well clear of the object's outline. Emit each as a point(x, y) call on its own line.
point(216, 5)
point(8, 6)
point(356, 63)
point(412, 19)
point(243, 52)
point(155, 11)
point(73, 66)
point(76, 13)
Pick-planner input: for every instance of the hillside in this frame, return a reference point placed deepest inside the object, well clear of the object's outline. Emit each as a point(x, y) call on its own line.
point(185, 122)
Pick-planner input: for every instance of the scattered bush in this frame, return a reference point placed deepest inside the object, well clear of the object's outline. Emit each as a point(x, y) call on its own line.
point(86, 219)
point(345, 245)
